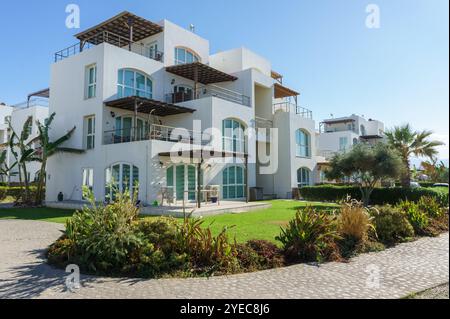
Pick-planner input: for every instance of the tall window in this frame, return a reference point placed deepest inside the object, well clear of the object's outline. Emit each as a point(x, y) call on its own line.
point(182, 179)
point(184, 56)
point(121, 177)
point(30, 126)
point(363, 130)
point(303, 177)
point(233, 182)
point(343, 143)
point(88, 180)
point(90, 132)
point(134, 83)
point(233, 136)
point(303, 140)
point(91, 81)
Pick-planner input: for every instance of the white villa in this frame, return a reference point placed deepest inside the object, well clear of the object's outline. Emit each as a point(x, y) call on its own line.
point(340, 134)
point(35, 108)
point(139, 91)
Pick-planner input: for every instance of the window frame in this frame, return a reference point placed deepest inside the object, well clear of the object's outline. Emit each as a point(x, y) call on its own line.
point(123, 87)
point(236, 182)
point(300, 177)
point(233, 138)
point(120, 183)
point(91, 83)
point(87, 179)
point(303, 150)
point(89, 135)
point(187, 51)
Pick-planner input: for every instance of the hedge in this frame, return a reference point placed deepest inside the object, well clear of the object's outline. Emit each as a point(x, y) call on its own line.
point(380, 196)
point(14, 191)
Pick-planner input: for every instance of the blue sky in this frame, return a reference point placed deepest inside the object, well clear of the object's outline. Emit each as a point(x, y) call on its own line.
point(397, 74)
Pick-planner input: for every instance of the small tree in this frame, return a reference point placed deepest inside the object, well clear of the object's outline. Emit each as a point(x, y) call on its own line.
point(46, 150)
point(367, 166)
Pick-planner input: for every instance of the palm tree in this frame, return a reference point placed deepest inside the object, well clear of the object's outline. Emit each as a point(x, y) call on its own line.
point(409, 142)
point(46, 150)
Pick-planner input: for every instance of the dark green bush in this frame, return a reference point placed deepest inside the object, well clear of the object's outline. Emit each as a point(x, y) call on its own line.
point(271, 255)
point(310, 236)
point(416, 216)
point(380, 196)
point(392, 225)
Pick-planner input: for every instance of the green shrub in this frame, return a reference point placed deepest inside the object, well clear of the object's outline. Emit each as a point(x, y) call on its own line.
point(208, 253)
point(380, 196)
point(417, 217)
point(392, 225)
point(430, 206)
point(248, 258)
point(309, 236)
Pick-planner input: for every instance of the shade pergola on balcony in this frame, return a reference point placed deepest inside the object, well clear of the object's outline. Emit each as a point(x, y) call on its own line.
point(125, 25)
point(283, 92)
point(148, 106)
point(201, 73)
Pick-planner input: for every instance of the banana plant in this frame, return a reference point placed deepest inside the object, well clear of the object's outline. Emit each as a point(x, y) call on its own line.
point(23, 153)
point(46, 150)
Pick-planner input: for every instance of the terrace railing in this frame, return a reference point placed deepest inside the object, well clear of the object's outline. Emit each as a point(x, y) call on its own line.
point(209, 91)
point(155, 132)
point(293, 108)
point(113, 39)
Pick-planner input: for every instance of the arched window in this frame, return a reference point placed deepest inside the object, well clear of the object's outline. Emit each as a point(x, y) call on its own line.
point(233, 133)
point(233, 182)
point(134, 83)
point(121, 177)
point(303, 177)
point(303, 140)
point(185, 56)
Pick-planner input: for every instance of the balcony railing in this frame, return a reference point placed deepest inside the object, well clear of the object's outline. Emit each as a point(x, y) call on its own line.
point(32, 102)
point(209, 91)
point(155, 132)
point(110, 38)
point(263, 123)
point(293, 108)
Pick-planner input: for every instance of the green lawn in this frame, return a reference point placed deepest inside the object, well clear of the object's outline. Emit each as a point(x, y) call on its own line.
point(42, 214)
point(261, 224)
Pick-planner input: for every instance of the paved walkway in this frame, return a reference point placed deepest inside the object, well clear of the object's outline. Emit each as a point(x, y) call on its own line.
point(394, 273)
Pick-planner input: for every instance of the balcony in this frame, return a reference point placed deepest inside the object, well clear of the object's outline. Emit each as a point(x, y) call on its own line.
point(290, 107)
point(209, 91)
point(113, 39)
point(157, 133)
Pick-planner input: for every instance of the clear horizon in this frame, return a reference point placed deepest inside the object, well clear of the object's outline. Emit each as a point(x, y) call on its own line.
point(397, 74)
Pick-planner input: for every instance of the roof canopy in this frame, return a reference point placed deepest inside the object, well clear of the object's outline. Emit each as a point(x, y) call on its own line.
point(370, 137)
point(120, 25)
point(42, 93)
point(201, 73)
point(283, 92)
point(144, 105)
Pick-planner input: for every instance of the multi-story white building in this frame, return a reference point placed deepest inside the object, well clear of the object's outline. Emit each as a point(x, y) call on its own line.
point(340, 134)
point(129, 85)
point(37, 110)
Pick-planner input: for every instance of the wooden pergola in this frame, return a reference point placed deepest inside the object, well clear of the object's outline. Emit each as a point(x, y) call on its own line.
point(198, 156)
point(42, 93)
point(283, 92)
point(127, 27)
point(148, 106)
point(201, 73)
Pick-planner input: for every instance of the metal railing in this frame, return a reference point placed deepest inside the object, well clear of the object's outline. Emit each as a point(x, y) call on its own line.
point(293, 108)
point(32, 102)
point(209, 91)
point(155, 132)
point(327, 154)
point(113, 39)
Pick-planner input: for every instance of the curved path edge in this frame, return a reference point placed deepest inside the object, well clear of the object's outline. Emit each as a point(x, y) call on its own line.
point(394, 273)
